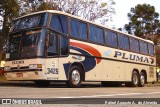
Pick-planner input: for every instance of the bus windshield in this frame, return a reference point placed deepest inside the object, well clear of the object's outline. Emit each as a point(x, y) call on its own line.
point(26, 45)
point(28, 22)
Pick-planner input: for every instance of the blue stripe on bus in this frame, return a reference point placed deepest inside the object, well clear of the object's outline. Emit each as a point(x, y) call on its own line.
point(89, 62)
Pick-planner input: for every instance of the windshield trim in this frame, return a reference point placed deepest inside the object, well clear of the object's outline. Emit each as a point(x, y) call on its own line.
point(26, 22)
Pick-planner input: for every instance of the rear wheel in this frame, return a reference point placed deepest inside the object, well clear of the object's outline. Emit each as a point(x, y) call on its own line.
point(142, 79)
point(135, 80)
point(74, 77)
point(42, 83)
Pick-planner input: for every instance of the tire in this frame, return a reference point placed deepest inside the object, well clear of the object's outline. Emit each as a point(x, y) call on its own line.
point(42, 83)
point(142, 79)
point(135, 80)
point(74, 77)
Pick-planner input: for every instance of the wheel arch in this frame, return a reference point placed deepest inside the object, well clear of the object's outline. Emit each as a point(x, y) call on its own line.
point(81, 66)
point(135, 70)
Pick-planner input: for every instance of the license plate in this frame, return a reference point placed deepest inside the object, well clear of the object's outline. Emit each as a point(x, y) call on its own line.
point(19, 74)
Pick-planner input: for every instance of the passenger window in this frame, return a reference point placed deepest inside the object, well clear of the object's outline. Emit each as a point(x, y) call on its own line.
point(64, 46)
point(151, 49)
point(134, 44)
point(96, 34)
point(74, 26)
point(111, 38)
point(93, 36)
point(123, 42)
point(100, 35)
point(78, 29)
point(83, 30)
point(59, 23)
point(143, 47)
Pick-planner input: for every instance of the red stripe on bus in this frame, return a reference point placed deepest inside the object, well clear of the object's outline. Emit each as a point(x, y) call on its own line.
point(90, 49)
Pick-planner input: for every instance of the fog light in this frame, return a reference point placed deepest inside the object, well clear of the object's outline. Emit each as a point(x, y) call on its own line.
point(7, 68)
point(35, 66)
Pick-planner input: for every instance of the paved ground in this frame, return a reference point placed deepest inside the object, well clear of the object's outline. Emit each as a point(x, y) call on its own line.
point(60, 90)
point(89, 93)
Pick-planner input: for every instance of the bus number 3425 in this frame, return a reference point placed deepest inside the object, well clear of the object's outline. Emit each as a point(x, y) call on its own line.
point(52, 71)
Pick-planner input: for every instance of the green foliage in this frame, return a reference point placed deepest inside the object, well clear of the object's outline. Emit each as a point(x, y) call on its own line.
point(9, 9)
point(29, 6)
point(45, 6)
point(143, 21)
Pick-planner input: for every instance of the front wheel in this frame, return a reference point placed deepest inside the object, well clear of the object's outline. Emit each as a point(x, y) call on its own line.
point(74, 77)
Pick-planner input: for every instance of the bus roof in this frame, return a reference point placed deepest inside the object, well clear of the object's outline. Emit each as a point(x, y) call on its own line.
point(100, 25)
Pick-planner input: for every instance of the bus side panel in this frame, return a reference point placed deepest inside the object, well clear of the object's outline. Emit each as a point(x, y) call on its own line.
point(51, 69)
point(150, 71)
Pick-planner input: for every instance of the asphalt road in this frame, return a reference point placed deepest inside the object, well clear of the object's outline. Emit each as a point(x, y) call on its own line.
point(90, 93)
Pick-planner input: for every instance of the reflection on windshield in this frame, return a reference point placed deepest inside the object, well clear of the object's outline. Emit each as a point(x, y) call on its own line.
point(26, 45)
point(30, 40)
point(14, 45)
point(28, 22)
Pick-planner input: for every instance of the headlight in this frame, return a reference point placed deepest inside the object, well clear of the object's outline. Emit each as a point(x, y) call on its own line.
point(7, 68)
point(35, 66)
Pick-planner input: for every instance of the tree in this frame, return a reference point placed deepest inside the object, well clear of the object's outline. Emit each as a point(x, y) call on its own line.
point(88, 9)
point(29, 6)
point(143, 21)
point(9, 9)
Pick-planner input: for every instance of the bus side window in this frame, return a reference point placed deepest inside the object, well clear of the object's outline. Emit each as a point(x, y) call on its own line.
point(74, 28)
point(52, 45)
point(83, 30)
point(123, 42)
point(100, 36)
point(151, 49)
point(93, 34)
point(134, 44)
point(111, 38)
point(64, 46)
point(143, 47)
point(59, 23)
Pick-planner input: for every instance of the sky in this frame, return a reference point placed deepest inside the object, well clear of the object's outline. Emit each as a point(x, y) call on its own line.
point(122, 8)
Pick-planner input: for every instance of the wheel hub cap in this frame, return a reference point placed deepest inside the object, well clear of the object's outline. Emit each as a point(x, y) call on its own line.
point(75, 77)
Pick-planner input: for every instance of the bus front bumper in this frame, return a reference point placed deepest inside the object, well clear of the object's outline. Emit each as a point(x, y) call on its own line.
point(27, 75)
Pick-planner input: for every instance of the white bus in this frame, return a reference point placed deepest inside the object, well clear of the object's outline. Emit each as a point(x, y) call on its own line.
point(55, 46)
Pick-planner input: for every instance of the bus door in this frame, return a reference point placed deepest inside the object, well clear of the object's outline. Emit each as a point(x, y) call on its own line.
point(57, 53)
point(52, 60)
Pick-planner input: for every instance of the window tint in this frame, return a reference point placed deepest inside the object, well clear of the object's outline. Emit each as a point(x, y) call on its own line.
point(96, 34)
point(134, 44)
point(100, 35)
point(111, 38)
point(151, 49)
point(123, 42)
point(93, 36)
point(74, 24)
point(59, 23)
point(143, 47)
point(78, 29)
point(64, 46)
point(83, 30)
